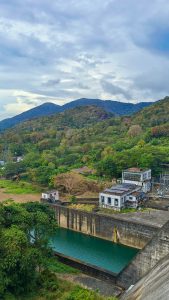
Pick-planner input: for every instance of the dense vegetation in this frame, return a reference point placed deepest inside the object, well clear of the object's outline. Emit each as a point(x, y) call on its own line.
point(24, 236)
point(87, 137)
point(27, 268)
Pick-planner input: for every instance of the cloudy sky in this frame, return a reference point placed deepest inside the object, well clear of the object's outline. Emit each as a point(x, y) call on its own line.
point(61, 50)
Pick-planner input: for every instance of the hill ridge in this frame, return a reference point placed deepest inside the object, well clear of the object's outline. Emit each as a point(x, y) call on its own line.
point(49, 108)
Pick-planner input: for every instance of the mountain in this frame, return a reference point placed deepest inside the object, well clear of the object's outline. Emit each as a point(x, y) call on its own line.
point(39, 111)
point(115, 107)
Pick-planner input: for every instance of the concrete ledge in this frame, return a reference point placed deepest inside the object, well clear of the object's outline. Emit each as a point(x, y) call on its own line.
point(86, 268)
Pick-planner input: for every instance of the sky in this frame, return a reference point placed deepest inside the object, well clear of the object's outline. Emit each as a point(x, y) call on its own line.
point(61, 50)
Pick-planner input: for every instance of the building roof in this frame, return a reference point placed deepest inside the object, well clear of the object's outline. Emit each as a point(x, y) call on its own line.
point(136, 193)
point(138, 170)
point(121, 189)
point(50, 192)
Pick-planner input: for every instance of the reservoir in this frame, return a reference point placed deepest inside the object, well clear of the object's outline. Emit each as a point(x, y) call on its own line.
point(92, 250)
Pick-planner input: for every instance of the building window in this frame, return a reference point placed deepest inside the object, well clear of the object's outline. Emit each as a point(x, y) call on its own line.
point(144, 176)
point(132, 176)
point(109, 200)
point(102, 199)
point(116, 202)
point(130, 197)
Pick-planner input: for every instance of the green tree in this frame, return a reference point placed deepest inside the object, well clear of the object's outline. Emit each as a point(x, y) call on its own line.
point(25, 230)
point(12, 169)
point(107, 167)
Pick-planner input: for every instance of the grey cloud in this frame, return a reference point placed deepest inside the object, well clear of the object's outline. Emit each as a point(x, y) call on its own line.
point(115, 90)
point(51, 83)
point(82, 86)
point(58, 94)
point(70, 49)
point(155, 80)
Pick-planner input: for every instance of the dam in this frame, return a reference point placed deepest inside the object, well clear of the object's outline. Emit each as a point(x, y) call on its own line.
point(91, 250)
point(147, 231)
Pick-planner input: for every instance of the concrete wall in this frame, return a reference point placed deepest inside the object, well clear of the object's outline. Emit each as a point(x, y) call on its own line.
point(153, 241)
point(147, 258)
point(153, 286)
point(87, 268)
point(131, 233)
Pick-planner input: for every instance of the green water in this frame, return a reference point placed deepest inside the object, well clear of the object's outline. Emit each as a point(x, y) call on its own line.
point(101, 253)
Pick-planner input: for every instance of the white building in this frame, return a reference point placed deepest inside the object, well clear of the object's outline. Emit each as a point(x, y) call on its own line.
point(19, 158)
point(140, 177)
point(120, 196)
point(2, 163)
point(135, 199)
point(50, 196)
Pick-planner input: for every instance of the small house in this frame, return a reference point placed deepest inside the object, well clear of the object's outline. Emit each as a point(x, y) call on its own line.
point(138, 176)
point(121, 196)
point(18, 159)
point(131, 192)
point(135, 199)
point(50, 196)
point(2, 163)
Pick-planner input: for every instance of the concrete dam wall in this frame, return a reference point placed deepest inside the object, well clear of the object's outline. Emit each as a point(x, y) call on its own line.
point(130, 233)
point(147, 258)
point(154, 285)
point(152, 240)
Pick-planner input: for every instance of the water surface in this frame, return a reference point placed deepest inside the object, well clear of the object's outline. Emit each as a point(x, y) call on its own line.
point(101, 253)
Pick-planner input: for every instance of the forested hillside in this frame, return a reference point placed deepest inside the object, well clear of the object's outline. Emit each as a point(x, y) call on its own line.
point(91, 137)
point(156, 114)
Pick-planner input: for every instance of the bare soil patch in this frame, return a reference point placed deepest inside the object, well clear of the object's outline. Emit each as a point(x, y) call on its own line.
point(21, 198)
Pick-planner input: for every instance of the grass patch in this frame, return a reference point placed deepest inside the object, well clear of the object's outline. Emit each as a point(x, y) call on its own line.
point(20, 187)
point(56, 266)
point(84, 207)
